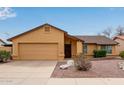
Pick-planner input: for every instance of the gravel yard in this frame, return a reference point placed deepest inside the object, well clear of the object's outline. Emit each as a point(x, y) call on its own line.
point(100, 69)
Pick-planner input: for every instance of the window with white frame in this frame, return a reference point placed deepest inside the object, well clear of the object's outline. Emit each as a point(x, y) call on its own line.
point(108, 48)
point(85, 48)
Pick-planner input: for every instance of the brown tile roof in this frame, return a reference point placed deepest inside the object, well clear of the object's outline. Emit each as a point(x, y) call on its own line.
point(101, 40)
point(74, 37)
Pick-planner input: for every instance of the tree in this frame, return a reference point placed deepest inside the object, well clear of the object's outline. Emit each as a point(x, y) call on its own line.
point(120, 30)
point(107, 32)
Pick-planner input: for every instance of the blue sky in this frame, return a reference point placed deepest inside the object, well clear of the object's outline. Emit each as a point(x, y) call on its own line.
point(76, 21)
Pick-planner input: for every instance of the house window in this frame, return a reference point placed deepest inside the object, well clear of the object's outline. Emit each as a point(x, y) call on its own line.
point(47, 29)
point(107, 48)
point(85, 48)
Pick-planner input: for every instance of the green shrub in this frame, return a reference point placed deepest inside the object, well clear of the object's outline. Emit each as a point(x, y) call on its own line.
point(99, 53)
point(4, 56)
point(121, 54)
point(81, 63)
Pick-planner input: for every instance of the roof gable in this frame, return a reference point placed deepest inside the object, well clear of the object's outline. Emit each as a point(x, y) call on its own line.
point(34, 30)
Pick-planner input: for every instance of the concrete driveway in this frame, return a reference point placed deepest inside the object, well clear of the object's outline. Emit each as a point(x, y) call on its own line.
point(39, 72)
point(26, 72)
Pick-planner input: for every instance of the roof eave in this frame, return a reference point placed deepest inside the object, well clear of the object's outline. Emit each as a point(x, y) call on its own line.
point(10, 39)
point(73, 37)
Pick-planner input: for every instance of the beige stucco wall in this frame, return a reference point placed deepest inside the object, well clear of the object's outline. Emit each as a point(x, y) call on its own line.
point(40, 36)
point(120, 46)
point(79, 47)
point(114, 50)
point(90, 49)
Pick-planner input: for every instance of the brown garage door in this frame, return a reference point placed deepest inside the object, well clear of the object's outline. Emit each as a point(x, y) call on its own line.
point(38, 51)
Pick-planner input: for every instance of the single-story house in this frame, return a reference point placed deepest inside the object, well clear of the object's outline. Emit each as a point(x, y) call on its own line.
point(5, 46)
point(45, 42)
point(48, 42)
point(120, 40)
point(92, 43)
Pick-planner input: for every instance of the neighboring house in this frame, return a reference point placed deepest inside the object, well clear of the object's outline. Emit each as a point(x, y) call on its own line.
point(2, 42)
point(92, 43)
point(120, 40)
point(5, 46)
point(48, 42)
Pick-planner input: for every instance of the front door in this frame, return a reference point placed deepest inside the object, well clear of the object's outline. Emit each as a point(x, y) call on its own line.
point(67, 50)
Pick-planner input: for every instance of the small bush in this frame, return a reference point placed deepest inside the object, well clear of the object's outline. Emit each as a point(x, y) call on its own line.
point(121, 54)
point(99, 53)
point(81, 63)
point(4, 56)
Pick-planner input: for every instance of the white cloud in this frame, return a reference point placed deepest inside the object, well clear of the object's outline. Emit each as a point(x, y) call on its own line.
point(6, 13)
point(116, 8)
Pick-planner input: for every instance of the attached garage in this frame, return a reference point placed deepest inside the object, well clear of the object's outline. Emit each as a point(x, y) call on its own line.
point(45, 42)
point(38, 51)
